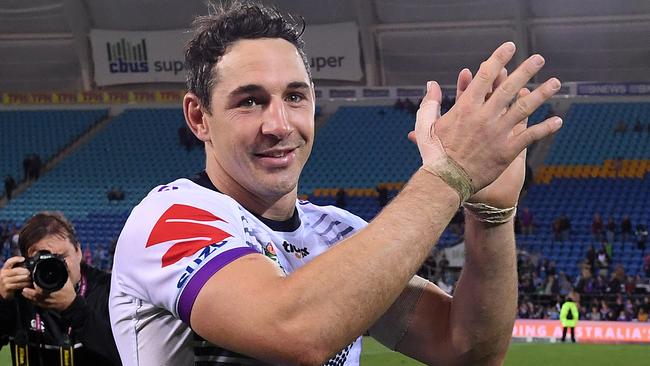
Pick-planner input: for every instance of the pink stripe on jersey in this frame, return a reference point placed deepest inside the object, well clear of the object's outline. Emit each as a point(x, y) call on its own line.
point(191, 290)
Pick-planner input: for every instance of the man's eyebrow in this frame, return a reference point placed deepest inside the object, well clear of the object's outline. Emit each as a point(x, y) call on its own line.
point(252, 88)
point(245, 89)
point(297, 85)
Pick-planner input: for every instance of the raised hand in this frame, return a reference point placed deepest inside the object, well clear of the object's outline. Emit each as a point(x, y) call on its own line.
point(484, 132)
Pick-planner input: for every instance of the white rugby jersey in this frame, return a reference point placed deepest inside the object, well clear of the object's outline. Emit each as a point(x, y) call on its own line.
point(175, 240)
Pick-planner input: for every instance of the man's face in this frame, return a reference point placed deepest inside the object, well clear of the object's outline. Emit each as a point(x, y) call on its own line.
point(262, 117)
point(57, 244)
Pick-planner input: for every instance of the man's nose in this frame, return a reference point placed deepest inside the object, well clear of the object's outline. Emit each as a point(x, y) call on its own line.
point(276, 121)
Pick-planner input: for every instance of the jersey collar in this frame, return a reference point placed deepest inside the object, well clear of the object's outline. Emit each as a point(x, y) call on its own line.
point(288, 225)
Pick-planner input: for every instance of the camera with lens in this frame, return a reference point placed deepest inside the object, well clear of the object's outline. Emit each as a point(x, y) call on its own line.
point(48, 271)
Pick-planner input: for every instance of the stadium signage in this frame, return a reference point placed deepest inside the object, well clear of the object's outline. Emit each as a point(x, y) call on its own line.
point(121, 57)
point(333, 51)
point(410, 92)
point(586, 331)
point(614, 89)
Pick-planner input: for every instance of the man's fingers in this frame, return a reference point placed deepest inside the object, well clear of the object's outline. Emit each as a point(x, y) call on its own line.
point(428, 112)
point(464, 78)
point(536, 133)
point(521, 126)
point(411, 137)
point(18, 285)
point(503, 75)
point(488, 72)
point(11, 262)
point(509, 88)
point(525, 106)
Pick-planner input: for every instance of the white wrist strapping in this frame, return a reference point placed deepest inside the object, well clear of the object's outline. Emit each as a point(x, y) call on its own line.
point(454, 175)
point(490, 214)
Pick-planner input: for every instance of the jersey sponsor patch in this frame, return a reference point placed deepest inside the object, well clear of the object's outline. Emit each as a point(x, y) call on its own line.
point(190, 228)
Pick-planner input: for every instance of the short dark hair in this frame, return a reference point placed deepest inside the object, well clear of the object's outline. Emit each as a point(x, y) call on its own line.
point(227, 23)
point(45, 224)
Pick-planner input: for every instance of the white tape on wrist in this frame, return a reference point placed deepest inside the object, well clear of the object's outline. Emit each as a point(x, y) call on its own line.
point(454, 175)
point(490, 214)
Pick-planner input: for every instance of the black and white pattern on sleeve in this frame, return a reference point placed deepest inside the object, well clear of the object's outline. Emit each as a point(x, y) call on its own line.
point(340, 358)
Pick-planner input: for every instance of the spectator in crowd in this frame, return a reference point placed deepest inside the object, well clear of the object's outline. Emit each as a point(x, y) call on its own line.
point(615, 283)
point(565, 284)
point(597, 227)
point(621, 127)
point(594, 314)
point(524, 311)
point(410, 106)
point(591, 258)
point(603, 262)
point(73, 318)
point(610, 230)
point(562, 227)
point(27, 166)
point(642, 315)
point(382, 195)
point(399, 105)
point(10, 185)
point(527, 221)
point(556, 227)
point(552, 286)
point(626, 228)
point(641, 233)
point(638, 127)
point(35, 166)
point(115, 194)
point(630, 285)
point(341, 198)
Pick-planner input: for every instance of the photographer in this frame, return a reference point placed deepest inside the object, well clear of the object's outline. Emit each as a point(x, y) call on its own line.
point(54, 317)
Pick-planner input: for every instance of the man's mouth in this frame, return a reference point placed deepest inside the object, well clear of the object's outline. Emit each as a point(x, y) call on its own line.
point(277, 158)
point(275, 153)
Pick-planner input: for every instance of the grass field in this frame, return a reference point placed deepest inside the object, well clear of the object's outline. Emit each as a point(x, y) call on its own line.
point(527, 354)
point(533, 354)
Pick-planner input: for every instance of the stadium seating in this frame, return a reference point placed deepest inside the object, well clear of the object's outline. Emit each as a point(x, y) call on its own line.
point(43, 132)
point(137, 151)
point(591, 168)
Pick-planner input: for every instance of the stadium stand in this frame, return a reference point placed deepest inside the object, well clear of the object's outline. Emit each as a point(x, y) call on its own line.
point(138, 150)
point(42, 132)
point(595, 166)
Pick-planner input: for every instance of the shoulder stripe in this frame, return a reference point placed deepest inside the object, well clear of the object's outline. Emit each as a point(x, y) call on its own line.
point(196, 283)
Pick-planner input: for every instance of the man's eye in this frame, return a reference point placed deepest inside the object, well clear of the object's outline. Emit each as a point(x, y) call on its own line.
point(295, 98)
point(248, 102)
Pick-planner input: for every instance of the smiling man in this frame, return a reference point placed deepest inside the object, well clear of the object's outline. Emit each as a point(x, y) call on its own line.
point(229, 268)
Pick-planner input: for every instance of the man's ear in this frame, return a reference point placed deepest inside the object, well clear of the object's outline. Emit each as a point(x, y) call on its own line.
point(194, 117)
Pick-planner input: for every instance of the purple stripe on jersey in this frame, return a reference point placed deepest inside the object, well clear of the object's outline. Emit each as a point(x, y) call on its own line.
point(191, 290)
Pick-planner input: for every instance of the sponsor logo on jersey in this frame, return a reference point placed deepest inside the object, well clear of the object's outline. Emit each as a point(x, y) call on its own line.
point(196, 263)
point(298, 252)
point(189, 228)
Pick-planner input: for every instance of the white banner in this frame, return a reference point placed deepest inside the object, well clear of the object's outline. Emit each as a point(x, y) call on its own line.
point(333, 51)
point(122, 57)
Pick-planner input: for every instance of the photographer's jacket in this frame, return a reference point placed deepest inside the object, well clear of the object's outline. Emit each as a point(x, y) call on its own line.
point(86, 321)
